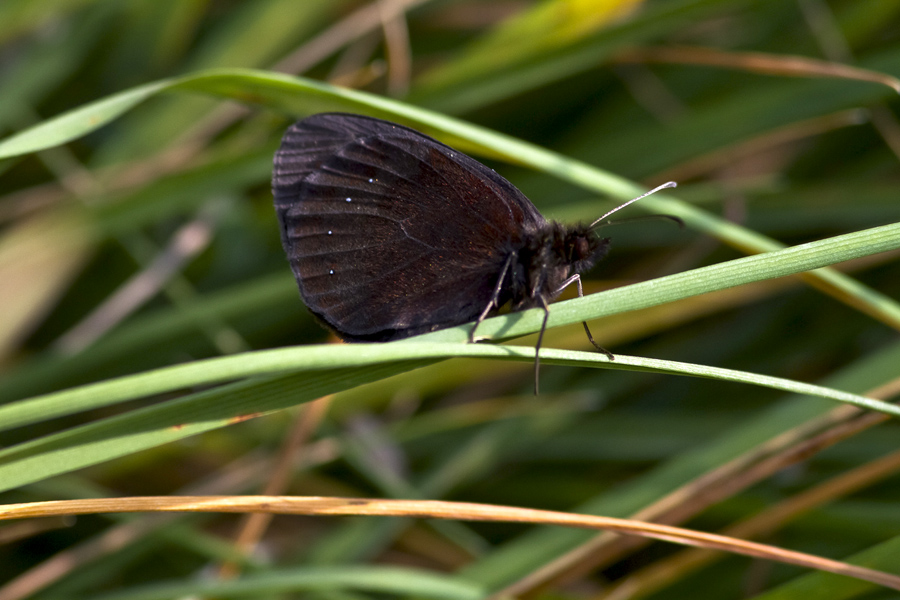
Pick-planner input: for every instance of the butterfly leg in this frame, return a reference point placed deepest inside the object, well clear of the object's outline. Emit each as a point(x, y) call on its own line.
point(577, 280)
point(495, 295)
point(540, 340)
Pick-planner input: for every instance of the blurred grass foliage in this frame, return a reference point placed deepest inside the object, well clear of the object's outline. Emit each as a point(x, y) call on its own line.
point(138, 238)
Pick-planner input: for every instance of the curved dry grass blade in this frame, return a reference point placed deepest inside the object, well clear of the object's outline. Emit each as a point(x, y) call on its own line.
point(757, 62)
point(433, 509)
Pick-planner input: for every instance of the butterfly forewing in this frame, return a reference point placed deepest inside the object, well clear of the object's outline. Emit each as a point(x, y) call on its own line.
point(389, 232)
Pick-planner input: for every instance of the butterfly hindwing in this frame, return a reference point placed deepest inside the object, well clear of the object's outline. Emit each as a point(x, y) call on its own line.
point(389, 232)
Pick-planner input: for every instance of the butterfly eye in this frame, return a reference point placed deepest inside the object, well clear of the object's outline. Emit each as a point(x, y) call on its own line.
point(582, 248)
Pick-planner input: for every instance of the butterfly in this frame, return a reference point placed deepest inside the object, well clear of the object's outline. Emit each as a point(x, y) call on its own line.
point(391, 234)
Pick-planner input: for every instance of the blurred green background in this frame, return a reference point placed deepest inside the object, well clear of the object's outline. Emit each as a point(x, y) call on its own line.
point(153, 242)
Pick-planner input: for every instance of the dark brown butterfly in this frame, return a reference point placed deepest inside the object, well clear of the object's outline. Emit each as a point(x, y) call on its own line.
point(391, 233)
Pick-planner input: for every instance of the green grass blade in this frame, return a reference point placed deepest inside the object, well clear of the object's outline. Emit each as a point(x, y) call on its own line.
point(304, 96)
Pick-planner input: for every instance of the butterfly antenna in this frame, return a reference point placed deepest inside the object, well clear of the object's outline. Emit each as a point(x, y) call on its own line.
point(669, 184)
